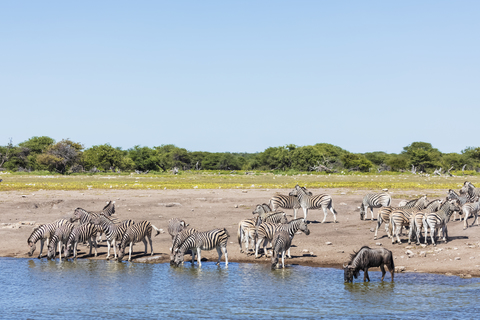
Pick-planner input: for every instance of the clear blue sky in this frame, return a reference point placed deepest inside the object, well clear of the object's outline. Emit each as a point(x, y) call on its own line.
point(242, 76)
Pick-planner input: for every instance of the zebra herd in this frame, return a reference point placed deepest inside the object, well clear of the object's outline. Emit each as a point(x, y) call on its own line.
point(421, 214)
point(66, 236)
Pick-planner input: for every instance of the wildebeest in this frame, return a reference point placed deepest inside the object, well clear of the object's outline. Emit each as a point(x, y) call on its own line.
point(368, 258)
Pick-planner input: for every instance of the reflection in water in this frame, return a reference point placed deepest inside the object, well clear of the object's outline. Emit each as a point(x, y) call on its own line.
point(33, 288)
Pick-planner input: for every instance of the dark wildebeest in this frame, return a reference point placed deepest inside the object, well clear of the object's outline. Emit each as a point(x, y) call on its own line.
point(368, 258)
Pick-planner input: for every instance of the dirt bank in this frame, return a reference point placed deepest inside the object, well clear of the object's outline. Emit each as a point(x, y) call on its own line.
point(328, 244)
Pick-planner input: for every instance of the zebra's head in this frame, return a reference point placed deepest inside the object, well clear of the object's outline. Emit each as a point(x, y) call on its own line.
point(178, 258)
point(77, 214)
point(51, 250)
point(121, 251)
point(258, 209)
point(32, 248)
point(304, 227)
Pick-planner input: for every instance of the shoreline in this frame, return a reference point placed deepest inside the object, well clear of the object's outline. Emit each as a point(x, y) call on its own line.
point(328, 245)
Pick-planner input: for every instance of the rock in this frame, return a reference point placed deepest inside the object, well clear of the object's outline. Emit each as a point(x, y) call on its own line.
point(378, 244)
point(244, 191)
point(409, 252)
point(457, 258)
point(328, 243)
point(422, 254)
point(170, 204)
point(372, 230)
point(343, 193)
point(236, 206)
point(343, 204)
point(472, 258)
point(423, 245)
point(400, 269)
point(24, 195)
point(449, 274)
point(340, 251)
point(28, 223)
point(465, 276)
point(408, 247)
point(305, 250)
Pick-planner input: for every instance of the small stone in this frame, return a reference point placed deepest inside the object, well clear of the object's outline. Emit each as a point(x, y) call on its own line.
point(378, 244)
point(423, 245)
point(343, 193)
point(305, 250)
point(422, 254)
point(244, 191)
point(408, 247)
point(328, 243)
point(372, 230)
point(409, 252)
point(457, 258)
point(472, 258)
point(449, 274)
point(400, 269)
point(236, 206)
point(343, 204)
point(401, 257)
point(24, 196)
point(466, 276)
point(455, 248)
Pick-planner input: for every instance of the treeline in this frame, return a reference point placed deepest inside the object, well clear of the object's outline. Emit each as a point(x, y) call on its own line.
point(66, 156)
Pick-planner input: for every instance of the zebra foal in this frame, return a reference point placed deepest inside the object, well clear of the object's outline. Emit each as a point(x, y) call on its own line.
point(175, 226)
point(374, 200)
point(208, 240)
point(140, 231)
point(280, 244)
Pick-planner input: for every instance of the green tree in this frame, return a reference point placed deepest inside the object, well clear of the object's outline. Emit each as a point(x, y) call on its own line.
point(60, 156)
point(144, 158)
point(422, 155)
point(103, 156)
point(31, 148)
point(356, 162)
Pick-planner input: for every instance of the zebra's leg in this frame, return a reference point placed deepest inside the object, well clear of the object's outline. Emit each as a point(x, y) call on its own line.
point(219, 251)
point(283, 259)
point(257, 245)
point(371, 211)
point(332, 210)
point(225, 253)
point(108, 248)
point(289, 256)
point(432, 234)
point(130, 251)
point(151, 244)
point(305, 212)
point(295, 213)
point(419, 234)
point(379, 223)
point(193, 257)
point(41, 248)
point(324, 214)
point(95, 245)
point(75, 250)
point(445, 233)
point(199, 257)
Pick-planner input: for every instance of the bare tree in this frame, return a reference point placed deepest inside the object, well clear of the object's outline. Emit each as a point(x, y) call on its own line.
point(6, 153)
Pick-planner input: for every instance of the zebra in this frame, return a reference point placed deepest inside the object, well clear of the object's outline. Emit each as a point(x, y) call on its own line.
point(85, 216)
point(42, 233)
point(140, 231)
point(469, 189)
point(416, 222)
point(82, 233)
point(113, 231)
point(266, 231)
point(374, 200)
point(175, 226)
point(208, 240)
point(440, 218)
point(262, 210)
point(470, 208)
point(385, 212)
point(462, 198)
point(178, 240)
point(244, 228)
point(61, 237)
point(280, 244)
point(417, 219)
point(308, 201)
point(286, 202)
point(402, 217)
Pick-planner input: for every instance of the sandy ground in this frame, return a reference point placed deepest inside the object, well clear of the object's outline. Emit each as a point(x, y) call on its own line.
point(328, 245)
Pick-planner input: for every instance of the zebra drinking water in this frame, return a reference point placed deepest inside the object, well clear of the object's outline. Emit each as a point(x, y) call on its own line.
point(281, 242)
point(140, 231)
point(209, 240)
point(42, 233)
point(374, 200)
point(60, 236)
point(177, 242)
point(308, 201)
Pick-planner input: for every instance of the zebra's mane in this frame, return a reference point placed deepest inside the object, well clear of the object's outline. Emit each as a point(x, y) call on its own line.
point(431, 204)
point(108, 204)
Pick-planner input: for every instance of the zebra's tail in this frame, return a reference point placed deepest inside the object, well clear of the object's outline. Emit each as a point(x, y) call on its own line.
point(157, 230)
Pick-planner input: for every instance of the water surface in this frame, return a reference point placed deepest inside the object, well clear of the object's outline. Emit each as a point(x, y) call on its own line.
point(32, 288)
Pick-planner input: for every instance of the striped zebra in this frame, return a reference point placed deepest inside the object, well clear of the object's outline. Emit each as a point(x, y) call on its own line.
point(280, 244)
point(266, 231)
point(402, 218)
point(440, 218)
point(178, 240)
point(244, 230)
point(82, 233)
point(308, 201)
point(385, 212)
point(175, 226)
point(462, 198)
point(469, 189)
point(140, 231)
point(113, 231)
point(208, 240)
point(286, 202)
point(61, 237)
point(374, 200)
point(85, 216)
point(470, 209)
point(416, 222)
point(262, 210)
point(43, 233)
